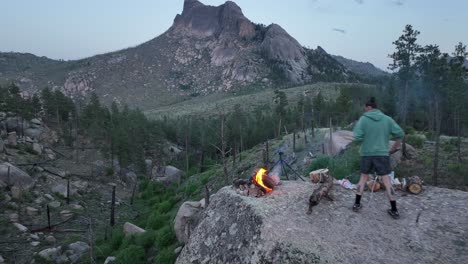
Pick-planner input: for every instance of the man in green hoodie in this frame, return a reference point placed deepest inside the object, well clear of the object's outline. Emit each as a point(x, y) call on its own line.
point(373, 131)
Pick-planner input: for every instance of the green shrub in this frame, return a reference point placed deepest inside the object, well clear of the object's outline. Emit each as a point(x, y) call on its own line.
point(416, 141)
point(128, 241)
point(165, 206)
point(321, 162)
point(156, 221)
point(132, 254)
point(165, 237)
point(109, 171)
point(165, 256)
point(410, 130)
point(103, 251)
point(116, 239)
point(192, 188)
point(146, 240)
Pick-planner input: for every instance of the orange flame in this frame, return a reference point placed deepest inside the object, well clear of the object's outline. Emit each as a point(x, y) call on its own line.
point(259, 179)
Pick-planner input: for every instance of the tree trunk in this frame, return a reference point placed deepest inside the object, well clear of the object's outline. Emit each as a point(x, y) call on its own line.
point(312, 124)
point(223, 152)
point(294, 142)
point(414, 185)
point(437, 145)
point(202, 157)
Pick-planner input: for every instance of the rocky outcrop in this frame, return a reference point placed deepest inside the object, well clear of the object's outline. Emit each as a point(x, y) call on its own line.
point(15, 178)
point(168, 175)
point(186, 220)
point(131, 229)
point(276, 228)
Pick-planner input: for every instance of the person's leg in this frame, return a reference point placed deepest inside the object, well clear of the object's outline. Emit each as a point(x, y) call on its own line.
point(366, 166)
point(383, 168)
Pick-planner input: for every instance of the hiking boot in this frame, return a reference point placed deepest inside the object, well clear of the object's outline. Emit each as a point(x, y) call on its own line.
point(393, 213)
point(357, 207)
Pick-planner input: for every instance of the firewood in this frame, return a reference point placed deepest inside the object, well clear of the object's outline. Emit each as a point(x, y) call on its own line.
point(322, 191)
point(373, 186)
point(317, 176)
point(414, 185)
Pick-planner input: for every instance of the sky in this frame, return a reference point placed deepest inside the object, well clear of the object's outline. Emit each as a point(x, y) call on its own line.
point(362, 30)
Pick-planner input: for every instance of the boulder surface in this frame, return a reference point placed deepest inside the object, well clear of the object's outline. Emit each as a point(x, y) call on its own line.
point(432, 228)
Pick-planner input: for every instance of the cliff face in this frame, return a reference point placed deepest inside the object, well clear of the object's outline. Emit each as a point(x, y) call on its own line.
point(276, 228)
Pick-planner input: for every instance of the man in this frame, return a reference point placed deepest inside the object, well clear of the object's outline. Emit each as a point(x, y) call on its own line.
point(373, 131)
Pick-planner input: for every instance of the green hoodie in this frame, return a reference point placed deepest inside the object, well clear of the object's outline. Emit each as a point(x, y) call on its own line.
point(374, 129)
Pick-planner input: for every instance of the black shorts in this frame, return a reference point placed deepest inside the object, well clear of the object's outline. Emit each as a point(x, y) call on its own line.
point(378, 164)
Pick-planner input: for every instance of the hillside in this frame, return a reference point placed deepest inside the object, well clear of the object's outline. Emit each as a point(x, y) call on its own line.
point(361, 68)
point(207, 50)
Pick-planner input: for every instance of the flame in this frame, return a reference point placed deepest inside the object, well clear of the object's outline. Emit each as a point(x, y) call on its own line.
point(259, 179)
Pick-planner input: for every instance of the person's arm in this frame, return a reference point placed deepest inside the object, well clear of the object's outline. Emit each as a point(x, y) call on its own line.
point(358, 132)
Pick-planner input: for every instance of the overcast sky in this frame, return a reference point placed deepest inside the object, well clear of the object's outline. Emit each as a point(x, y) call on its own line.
point(357, 29)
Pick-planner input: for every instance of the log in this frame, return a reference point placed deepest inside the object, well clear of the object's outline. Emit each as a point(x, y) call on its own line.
point(322, 191)
point(414, 185)
point(373, 186)
point(320, 175)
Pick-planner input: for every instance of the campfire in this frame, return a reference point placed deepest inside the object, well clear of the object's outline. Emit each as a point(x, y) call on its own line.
point(258, 185)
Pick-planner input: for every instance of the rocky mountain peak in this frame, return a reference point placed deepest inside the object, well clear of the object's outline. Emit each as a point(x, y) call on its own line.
point(199, 20)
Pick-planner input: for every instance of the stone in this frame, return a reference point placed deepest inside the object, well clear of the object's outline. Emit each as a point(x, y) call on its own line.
point(14, 218)
point(35, 123)
point(2, 260)
point(7, 197)
point(48, 196)
point(51, 239)
point(11, 139)
point(16, 192)
point(276, 229)
point(35, 243)
point(65, 215)
point(110, 259)
point(32, 211)
point(170, 175)
point(61, 189)
point(33, 133)
point(78, 248)
point(51, 254)
point(39, 200)
point(34, 236)
point(17, 177)
point(37, 148)
point(185, 220)
point(54, 204)
point(77, 207)
point(20, 227)
point(131, 229)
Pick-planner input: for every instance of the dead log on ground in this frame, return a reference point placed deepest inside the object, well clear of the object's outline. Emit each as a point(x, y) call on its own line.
point(414, 185)
point(322, 191)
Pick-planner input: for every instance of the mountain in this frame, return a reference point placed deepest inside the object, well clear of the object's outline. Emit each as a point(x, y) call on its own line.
point(361, 68)
point(208, 49)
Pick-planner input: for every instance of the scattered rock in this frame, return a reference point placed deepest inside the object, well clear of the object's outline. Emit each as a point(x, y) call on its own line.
point(39, 200)
point(110, 259)
point(16, 192)
point(7, 197)
point(185, 220)
point(11, 139)
point(32, 211)
point(54, 204)
point(2, 260)
point(17, 177)
point(61, 189)
point(65, 215)
point(14, 218)
point(37, 148)
point(20, 227)
point(76, 207)
point(51, 254)
point(48, 196)
point(13, 205)
point(131, 229)
point(77, 249)
point(35, 243)
point(34, 236)
point(169, 175)
point(51, 239)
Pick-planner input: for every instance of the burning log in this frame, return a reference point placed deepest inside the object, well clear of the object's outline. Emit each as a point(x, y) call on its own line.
point(414, 185)
point(258, 185)
point(322, 191)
